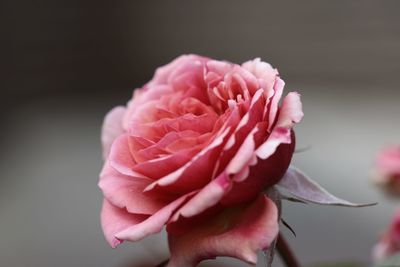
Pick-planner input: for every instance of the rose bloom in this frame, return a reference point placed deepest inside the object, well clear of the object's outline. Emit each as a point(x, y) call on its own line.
point(193, 150)
point(386, 172)
point(389, 243)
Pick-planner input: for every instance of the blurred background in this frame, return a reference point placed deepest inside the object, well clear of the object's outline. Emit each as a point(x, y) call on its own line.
point(64, 64)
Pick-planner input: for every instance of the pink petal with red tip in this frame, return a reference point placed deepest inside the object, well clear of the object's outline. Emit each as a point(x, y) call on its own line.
point(290, 113)
point(238, 232)
point(273, 109)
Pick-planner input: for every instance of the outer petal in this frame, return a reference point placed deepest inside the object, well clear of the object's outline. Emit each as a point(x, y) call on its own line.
point(120, 156)
point(154, 223)
point(236, 232)
point(127, 192)
point(112, 128)
point(114, 220)
point(290, 113)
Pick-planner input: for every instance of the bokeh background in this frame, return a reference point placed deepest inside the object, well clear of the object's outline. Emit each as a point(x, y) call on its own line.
point(64, 64)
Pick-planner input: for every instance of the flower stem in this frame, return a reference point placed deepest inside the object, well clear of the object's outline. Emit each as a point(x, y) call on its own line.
point(286, 252)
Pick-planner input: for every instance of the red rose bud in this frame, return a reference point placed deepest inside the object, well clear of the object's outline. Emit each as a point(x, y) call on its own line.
point(386, 172)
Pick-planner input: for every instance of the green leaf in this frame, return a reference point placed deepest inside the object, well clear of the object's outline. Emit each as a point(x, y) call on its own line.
point(305, 189)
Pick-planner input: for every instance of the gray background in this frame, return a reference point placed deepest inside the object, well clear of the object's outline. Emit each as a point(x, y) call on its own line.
point(64, 64)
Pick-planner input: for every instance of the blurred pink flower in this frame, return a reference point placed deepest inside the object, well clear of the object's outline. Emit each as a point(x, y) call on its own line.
point(389, 243)
point(193, 151)
point(386, 172)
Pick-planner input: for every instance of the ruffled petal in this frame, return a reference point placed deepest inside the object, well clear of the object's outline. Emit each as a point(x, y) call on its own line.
point(237, 232)
point(290, 113)
point(264, 73)
point(273, 108)
point(247, 124)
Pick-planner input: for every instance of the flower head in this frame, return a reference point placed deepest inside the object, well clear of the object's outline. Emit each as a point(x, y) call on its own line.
point(193, 151)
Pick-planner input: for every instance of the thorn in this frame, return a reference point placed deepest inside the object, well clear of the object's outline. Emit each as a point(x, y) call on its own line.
point(288, 227)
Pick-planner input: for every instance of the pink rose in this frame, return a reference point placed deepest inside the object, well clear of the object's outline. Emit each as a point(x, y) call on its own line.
point(389, 243)
point(194, 150)
point(386, 171)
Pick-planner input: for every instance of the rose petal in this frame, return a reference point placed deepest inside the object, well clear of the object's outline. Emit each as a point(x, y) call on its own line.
point(209, 196)
point(155, 131)
point(127, 192)
point(112, 128)
point(279, 84)
point(184, 63)
point(237, 232)
point(260, 173)
point(172, 142)
point(114, 220)
point(154, 223)
point(242, 131)
point(142, 97)
point(161, 167)
point(290, 113)
point(243, 155)
point(197, 172)
point(263, 71)
point(121, 158)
